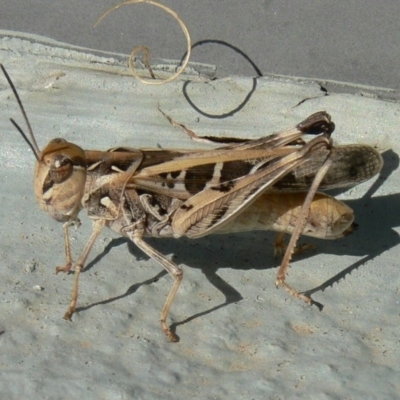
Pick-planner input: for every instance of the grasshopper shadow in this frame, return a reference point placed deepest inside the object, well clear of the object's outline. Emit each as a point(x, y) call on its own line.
point(377, 217)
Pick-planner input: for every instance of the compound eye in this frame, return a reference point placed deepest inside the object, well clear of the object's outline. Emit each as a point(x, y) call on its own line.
point(62, 169)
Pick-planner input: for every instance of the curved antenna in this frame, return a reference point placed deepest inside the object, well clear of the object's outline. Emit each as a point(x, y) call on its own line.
point(32, 142)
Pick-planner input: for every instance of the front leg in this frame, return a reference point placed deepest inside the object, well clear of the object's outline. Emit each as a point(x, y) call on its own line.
point(67, 245)
point(98, 225)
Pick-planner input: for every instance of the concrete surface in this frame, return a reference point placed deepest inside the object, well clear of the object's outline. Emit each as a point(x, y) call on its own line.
point(240, 337)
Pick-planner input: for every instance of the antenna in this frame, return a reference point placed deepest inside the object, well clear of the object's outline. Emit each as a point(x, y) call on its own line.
point(32, 142)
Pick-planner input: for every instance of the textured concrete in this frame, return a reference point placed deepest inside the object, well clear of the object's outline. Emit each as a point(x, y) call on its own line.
point(240, 337)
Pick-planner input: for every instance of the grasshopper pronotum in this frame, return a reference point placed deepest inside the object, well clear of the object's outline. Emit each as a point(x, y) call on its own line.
point(264, 184)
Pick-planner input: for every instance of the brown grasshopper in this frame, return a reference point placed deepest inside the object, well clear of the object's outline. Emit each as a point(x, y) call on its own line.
point(263, 184)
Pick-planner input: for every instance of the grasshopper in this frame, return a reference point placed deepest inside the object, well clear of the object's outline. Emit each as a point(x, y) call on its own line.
point(268, 183)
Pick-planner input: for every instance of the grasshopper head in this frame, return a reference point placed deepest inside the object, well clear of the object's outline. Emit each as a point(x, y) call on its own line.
point(60, 177)
point(60, 172)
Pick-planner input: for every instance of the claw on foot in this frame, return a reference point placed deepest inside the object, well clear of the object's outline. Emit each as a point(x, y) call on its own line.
point(290, 290)
point(65, 268)
point(68, 315)
point(302, 296)
point(172, 337)
point(280, 247)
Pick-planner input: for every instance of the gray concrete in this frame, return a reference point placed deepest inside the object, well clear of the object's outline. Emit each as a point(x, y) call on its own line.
point(240, 337)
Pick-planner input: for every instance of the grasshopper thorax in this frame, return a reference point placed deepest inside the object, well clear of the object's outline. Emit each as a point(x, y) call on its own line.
point(60, 177)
